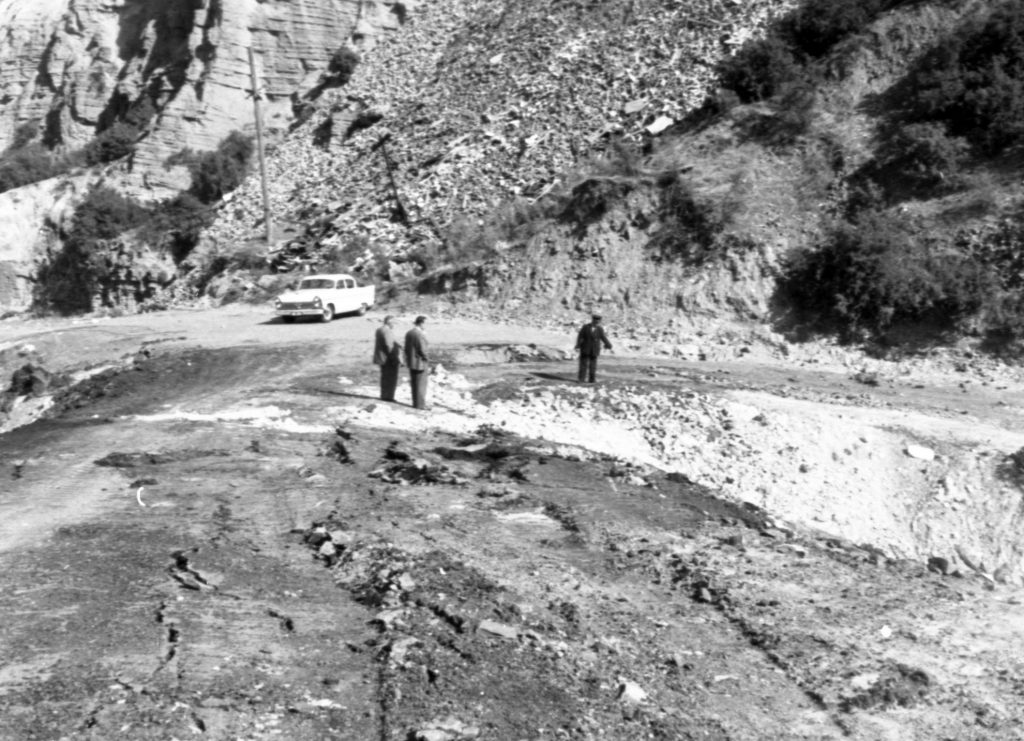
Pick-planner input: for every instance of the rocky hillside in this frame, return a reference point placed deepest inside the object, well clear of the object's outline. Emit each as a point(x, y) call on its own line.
point(552, 163)
point(475, 104)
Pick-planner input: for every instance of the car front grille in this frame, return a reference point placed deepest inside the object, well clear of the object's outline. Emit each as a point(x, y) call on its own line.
point(296, 306)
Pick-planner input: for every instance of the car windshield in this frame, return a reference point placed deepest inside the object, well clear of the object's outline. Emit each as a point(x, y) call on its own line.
point(316, 283)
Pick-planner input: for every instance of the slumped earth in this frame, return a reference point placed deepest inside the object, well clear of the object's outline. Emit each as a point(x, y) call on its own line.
point(227, 537)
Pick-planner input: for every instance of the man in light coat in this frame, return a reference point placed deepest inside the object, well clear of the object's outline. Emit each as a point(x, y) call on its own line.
point(387, 353)
point(588, 343)
point(418, 361)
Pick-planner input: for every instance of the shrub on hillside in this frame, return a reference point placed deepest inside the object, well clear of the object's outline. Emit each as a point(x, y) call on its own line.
point(69, 280)
point(216, 173)
point(342, 65)
point(111, 144)
point(873, 272)
point(760, 69)
point(816, 26)
point(29, 164)
point(974, 81)
point(176, 225)
point(919, 158)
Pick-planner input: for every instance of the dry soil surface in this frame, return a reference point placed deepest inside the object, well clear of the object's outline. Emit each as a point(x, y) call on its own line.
point(214, 530)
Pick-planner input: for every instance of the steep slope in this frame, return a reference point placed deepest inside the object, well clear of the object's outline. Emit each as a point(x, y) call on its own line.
point(480, 101)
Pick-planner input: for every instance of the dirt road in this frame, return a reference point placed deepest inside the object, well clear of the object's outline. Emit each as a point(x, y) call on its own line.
point(224, 535)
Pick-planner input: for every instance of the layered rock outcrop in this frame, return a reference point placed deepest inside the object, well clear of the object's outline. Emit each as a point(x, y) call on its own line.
point(180, 68)
point(72, 66)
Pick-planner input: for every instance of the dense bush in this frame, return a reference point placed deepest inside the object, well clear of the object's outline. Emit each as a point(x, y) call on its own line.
point(111, 144)
point(219, 172)
point(68, 281)
point(873, 272)
point(816, 26)
point(764, 67)
point(760, 69)
point(973, 82)
point(176, 225)
point(342, 65)
point(29, 164)
point(918, 159)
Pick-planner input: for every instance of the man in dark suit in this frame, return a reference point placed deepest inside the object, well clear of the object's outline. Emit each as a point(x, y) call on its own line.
point(588, 343)
point(418, 362)
point(387, 353)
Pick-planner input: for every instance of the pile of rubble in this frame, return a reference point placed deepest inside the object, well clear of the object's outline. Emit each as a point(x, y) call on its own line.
point(475, 103)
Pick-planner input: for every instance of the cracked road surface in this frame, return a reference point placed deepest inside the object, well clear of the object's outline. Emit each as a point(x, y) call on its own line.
point(214, 541)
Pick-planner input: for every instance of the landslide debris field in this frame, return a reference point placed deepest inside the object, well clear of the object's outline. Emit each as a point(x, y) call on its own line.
point(242, 543)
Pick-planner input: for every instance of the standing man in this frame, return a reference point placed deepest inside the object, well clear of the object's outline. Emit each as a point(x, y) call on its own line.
point(418, 362)
point(589, 342)
point(387, 353)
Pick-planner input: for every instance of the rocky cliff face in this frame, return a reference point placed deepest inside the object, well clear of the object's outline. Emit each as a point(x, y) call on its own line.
point(73, 66)
point(68, 68)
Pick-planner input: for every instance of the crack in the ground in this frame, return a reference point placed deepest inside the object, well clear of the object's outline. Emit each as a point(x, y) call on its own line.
point(287, 623)
point(700, 590)
point(187, 576)
point(172, 636)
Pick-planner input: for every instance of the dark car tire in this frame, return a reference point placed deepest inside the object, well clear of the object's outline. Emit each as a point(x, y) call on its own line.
point(328, 313)
point(361, 310)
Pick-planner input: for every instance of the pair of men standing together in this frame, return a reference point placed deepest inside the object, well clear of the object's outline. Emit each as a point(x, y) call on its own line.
point(387, 353)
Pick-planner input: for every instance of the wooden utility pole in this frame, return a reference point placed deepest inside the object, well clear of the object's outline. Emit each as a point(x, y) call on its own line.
point(268, 227)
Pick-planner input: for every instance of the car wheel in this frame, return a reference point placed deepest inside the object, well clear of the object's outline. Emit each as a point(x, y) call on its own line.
point(328, 313)
point(361, 310)
point(287, 319)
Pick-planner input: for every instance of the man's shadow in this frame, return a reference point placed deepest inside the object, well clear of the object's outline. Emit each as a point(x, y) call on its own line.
point(562, 377)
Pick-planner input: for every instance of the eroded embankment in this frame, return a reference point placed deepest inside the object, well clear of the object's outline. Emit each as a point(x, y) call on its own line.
point(916, 483)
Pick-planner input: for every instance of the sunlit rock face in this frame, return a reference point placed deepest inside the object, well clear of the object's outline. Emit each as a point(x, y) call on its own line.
point(178, 70)
point(70, 67)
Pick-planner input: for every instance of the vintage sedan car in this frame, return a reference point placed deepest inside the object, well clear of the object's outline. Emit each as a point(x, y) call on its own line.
point(324, 297)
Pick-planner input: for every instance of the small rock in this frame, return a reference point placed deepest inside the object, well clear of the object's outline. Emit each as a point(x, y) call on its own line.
point(405, 582)
point(316, 478)
point(939, 565)
point(388, 618)
point(316, 536)
point(327, 549)
point(435, 734)
point(920, 452)
point(660, 124)
point(631, 693)
point(340, 537)
point(499, 629)
point(634, 106)
point(736, 541)
point(864, 681)
point(400, 647)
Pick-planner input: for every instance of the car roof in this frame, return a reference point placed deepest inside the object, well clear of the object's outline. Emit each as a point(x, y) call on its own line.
point(329, 276)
